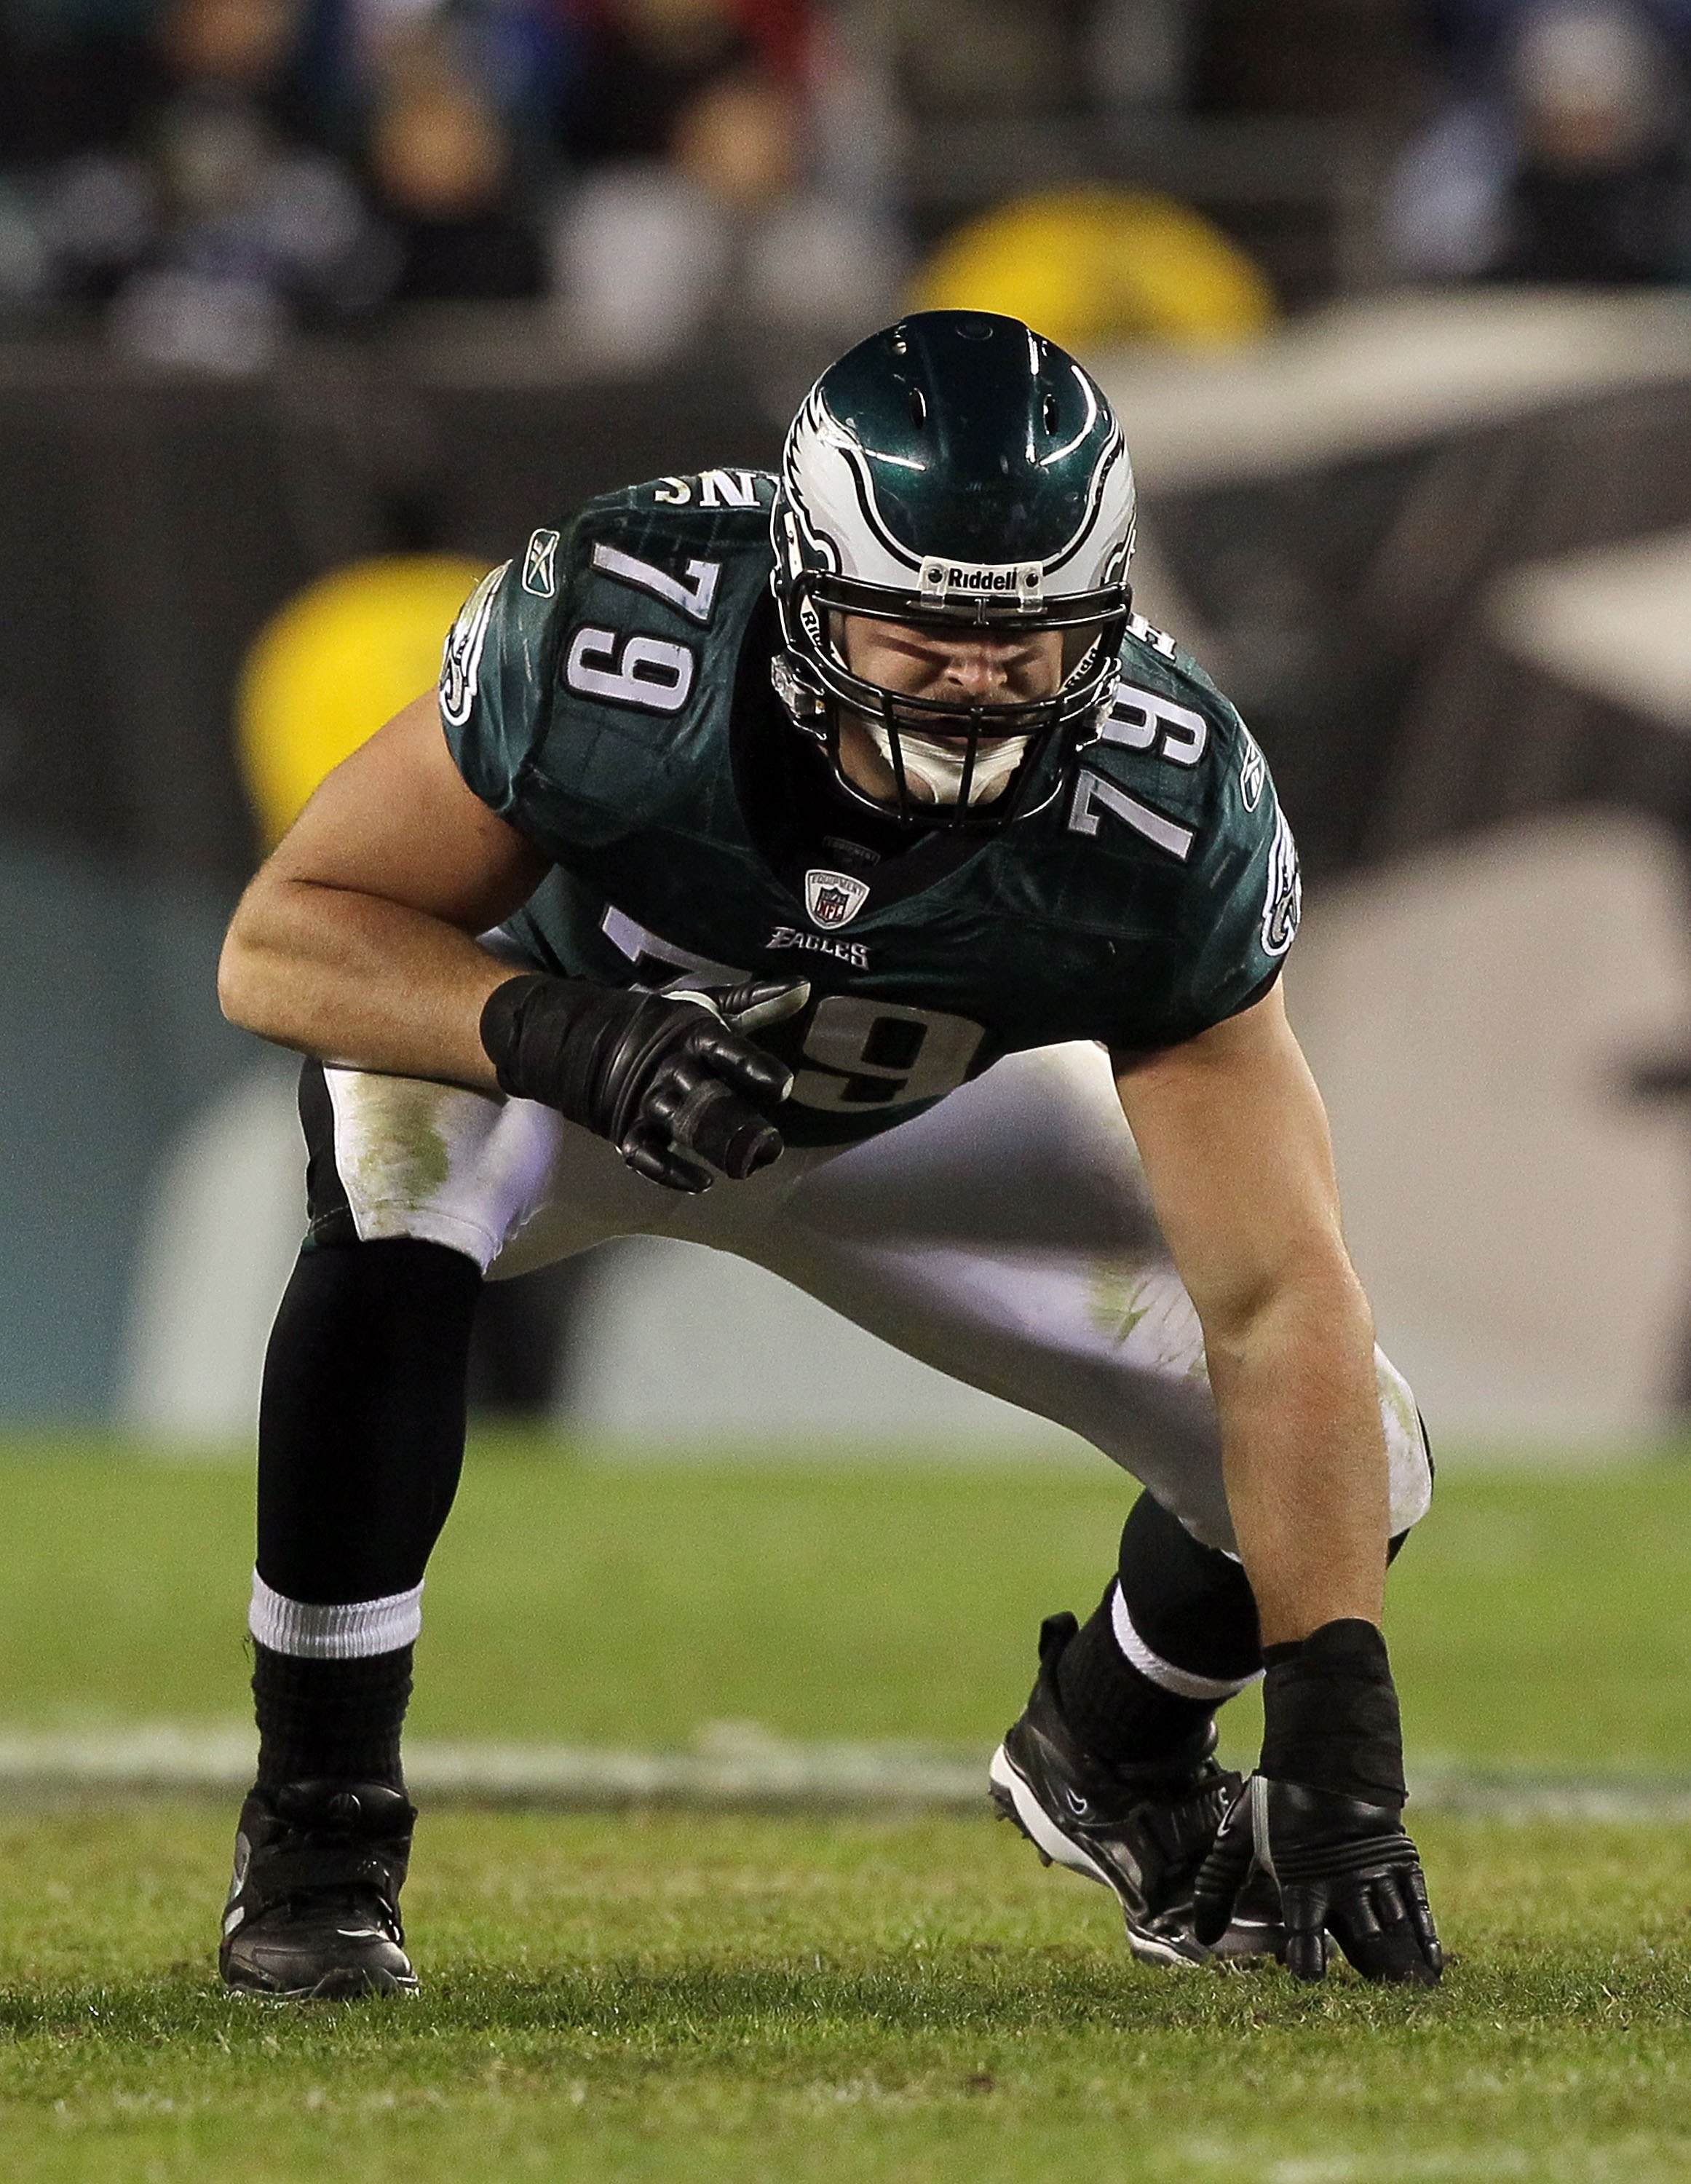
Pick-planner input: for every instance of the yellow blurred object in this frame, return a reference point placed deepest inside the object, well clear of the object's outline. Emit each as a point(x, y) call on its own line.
point(339, 660)
point(1090, 265)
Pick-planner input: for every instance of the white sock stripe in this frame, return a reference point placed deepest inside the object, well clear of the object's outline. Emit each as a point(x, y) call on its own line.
point(348, 1633)
point(1183, 1682)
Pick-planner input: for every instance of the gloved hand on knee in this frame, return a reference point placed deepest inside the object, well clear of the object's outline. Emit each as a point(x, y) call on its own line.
point(671, 1079)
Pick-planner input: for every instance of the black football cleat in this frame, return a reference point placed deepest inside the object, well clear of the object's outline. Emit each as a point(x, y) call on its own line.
point(314, 1909)
point(1142, 1831)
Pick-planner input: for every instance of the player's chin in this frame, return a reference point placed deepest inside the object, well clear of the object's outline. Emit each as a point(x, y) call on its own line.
point(930, 798)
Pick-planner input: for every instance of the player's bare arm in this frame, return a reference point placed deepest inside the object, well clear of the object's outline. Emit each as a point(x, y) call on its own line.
point(1235, 1143)
point(355, 944)
point(356, 941)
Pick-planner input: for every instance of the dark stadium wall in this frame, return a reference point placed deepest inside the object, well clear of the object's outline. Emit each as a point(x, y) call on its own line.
point(149, 526)
point(109, 1039)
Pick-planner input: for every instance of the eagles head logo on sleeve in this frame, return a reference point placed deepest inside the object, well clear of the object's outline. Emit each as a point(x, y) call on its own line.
point(1283, 899)
point(833, 898)
point(461, 662)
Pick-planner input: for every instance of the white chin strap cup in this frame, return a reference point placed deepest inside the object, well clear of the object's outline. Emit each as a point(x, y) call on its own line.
point(934, 769)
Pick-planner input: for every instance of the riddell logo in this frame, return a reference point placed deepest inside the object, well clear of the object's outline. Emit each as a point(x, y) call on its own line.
point(1021, 580)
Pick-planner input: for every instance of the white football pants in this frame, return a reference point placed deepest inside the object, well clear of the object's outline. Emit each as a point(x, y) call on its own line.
point(1004, 1236)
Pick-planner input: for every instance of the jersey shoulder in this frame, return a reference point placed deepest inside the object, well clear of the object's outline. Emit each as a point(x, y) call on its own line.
point(721, 514)
point(718, 515)
point(1176, 844)
point(1169, 738)
point(622, 611)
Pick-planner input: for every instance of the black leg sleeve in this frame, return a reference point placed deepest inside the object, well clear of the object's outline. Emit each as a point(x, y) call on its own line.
point(361, 1422)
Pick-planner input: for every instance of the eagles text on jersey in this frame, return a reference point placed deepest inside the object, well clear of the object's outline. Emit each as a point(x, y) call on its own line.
point(598, 693)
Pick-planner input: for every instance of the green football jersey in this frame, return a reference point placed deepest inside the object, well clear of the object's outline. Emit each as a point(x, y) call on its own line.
point(592, 694)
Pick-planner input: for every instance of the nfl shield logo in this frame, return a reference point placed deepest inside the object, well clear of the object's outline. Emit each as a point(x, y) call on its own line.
point(833, 898)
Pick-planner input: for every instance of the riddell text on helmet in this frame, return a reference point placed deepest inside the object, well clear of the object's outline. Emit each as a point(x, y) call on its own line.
point(1024, 579)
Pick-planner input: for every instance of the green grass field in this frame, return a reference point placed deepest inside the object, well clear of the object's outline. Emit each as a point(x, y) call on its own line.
point(691, 1995)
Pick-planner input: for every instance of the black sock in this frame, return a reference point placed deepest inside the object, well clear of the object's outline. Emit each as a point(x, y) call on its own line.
point(330, 1720)
point(1121, 1716)
point(361, 1423)
point(1194, 1608)
point(1192, 1605)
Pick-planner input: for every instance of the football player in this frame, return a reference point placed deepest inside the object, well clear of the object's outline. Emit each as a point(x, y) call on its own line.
point(849, 817)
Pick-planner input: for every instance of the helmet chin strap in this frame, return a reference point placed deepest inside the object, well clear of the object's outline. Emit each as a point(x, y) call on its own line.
point(938, 767)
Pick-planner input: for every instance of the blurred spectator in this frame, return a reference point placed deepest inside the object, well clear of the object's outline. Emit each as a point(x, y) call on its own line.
point(214, 226)
point(1137, 53)
point(251, 225)
point(646, 63)
point(444, 168)
point(1565, 161)
point(1470, 37)
point(75, 77)
point(708, 180)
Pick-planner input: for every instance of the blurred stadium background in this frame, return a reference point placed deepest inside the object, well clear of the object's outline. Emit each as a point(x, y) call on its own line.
point(309, 308)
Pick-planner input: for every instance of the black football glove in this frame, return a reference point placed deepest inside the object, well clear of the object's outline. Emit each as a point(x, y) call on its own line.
point(672, 1079)
point(1322, 1816)
point(1343, 1867)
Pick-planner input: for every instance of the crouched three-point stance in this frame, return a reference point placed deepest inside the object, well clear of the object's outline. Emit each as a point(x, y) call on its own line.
point(1040, 1118)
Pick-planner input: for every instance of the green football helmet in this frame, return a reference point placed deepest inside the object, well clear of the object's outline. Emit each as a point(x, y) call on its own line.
point(954, 473)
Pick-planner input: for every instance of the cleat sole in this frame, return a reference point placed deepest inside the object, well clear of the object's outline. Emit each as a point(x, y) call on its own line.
point(1015, 1795)
point(1249, 1941)
point(1006, 1811)
point(1151, 1948)
point(1015, 1800)
point(338, 1986)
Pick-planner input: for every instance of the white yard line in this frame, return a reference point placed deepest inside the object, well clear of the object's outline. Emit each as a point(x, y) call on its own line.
point(730, 1767)
point(725, 1769)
